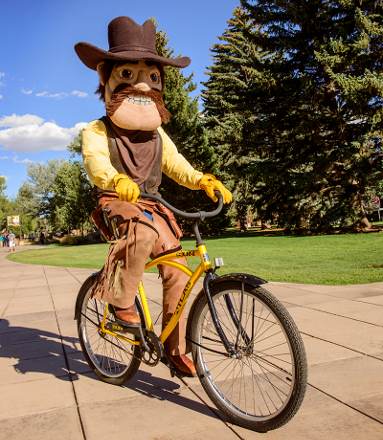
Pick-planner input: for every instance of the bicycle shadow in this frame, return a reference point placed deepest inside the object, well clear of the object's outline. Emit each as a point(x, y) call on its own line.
point(163, 389)
point(41, 351)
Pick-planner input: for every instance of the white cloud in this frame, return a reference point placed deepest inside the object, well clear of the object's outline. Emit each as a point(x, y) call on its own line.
point(79, 93)
point(19, 121)
point(30, 133)
point(55, 95)
point(25, 161)
point(1, 97)
point(16, 159)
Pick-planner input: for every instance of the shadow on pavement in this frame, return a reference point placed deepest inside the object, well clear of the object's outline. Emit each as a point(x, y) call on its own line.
point(163, 389)
point(36, 350)
point(41, 351)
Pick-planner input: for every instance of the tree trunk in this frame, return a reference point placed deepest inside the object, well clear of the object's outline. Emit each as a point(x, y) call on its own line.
point(365, 223)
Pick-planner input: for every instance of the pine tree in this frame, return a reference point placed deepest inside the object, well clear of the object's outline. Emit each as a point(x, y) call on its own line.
point(227, 114)
point(187, 130)
point(314, 91)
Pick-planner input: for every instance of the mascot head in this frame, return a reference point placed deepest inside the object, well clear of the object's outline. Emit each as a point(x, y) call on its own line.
point(131, 74)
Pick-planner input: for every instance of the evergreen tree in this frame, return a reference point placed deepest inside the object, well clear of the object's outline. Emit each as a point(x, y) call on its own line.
point(311, 83)
point(186, 129)
point(228, 115)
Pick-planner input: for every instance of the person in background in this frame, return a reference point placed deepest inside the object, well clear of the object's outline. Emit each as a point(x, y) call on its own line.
point(42, 237)
point(12, 242)
point(5, 241)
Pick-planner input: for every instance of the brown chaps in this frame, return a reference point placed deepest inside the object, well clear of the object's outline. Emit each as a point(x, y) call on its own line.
point(145, 230)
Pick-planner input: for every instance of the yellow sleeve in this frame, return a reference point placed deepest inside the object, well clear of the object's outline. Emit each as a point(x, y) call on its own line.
point(95, 153)
point(175, 166)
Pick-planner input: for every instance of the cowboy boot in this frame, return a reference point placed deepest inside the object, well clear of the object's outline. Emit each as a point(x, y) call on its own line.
point(183, 365)
point(174, 349)
point(129, 315)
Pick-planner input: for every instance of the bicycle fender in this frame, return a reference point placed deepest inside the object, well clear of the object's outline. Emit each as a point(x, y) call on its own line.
point(249, 279)
point(245, 277)
point(83, 289)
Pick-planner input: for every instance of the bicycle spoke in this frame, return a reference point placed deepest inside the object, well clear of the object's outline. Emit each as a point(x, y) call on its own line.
point(109, 354)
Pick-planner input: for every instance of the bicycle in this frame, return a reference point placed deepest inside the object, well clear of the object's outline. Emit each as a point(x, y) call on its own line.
point(249, 356)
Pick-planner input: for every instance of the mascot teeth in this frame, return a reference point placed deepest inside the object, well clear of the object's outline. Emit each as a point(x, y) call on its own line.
point(141, 100)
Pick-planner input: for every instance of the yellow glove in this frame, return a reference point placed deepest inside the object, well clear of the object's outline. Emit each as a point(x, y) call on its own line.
point(210, 184)
point(126, 189)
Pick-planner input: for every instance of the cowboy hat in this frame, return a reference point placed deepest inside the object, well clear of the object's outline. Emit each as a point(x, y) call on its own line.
point(128, 41)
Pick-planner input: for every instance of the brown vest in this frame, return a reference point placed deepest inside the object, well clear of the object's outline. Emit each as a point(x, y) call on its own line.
point(137, 154)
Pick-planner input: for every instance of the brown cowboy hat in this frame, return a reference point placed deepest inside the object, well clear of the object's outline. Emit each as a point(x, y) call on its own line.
point(128, 41)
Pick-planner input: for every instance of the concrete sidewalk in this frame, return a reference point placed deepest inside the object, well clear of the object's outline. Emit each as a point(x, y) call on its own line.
point(48, 392)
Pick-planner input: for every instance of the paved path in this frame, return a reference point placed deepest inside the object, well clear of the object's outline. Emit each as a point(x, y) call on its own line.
point(48, 392)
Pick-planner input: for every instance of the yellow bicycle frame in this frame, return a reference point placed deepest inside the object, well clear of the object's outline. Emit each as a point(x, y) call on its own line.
point(168, 260)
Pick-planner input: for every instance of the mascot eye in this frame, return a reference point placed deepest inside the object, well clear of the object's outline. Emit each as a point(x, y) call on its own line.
point(126, 74)
point(155, 77)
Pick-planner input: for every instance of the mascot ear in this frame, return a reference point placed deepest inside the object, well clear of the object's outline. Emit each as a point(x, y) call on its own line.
point(101, 73)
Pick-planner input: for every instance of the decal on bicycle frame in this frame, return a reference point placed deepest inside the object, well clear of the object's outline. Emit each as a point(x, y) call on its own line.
point(185, 254)
point(183, 296)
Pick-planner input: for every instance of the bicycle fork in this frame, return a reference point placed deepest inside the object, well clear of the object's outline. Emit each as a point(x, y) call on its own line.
point(237, 321)
point(210, 276)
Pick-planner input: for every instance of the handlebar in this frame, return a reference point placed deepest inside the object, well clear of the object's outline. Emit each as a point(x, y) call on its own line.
point(200, 215)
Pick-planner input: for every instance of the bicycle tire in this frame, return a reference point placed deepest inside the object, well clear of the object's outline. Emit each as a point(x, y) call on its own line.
point(116, 362)
point(255, 358)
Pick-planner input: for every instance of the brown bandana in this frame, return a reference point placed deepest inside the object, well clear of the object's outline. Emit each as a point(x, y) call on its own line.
point(140, 155)
point(124, 90)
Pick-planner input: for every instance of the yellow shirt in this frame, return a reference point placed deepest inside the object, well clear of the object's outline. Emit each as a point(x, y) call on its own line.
point(95, 152)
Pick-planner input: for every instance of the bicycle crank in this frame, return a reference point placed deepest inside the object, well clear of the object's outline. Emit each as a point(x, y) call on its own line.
point(155, 353)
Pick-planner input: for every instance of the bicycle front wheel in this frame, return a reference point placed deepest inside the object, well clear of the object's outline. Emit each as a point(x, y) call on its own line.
point(111, 358)
point(262, 386)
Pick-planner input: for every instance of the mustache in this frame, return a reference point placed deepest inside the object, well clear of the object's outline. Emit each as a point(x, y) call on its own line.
point(122, 91)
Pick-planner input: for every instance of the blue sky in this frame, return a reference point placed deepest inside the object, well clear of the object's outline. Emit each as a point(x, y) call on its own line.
point(45, 90)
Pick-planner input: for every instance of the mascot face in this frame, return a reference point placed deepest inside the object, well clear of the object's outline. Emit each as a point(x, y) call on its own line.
point(133, 97)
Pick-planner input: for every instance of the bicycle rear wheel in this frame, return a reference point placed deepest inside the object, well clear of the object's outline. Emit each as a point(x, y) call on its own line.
point(263, 385)
point(111, 358)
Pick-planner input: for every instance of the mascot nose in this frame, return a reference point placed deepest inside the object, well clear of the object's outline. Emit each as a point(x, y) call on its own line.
point(142, 86)
point(142, 82)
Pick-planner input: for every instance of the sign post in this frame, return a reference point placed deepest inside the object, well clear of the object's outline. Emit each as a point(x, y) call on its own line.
point(13, 220)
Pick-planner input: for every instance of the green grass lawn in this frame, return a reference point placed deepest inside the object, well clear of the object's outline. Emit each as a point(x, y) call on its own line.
point(329, 259)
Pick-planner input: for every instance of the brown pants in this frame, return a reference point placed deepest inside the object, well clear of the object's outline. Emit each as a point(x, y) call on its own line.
point(150, 236)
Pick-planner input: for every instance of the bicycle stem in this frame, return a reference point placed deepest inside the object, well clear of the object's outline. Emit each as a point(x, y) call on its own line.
point(197, 234)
